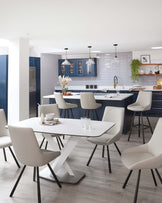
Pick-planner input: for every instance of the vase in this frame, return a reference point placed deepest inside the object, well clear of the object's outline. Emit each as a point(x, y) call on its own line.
point(64, 92)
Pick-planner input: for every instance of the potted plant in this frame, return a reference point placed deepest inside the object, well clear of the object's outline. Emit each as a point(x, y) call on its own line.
point(135, 66)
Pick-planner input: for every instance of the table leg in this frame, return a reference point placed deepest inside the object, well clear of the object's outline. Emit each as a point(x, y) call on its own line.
point(61, 167)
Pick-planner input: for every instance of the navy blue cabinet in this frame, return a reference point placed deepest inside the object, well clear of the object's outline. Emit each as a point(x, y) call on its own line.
point(77, 68)
point(3, 82)
point(34, 62)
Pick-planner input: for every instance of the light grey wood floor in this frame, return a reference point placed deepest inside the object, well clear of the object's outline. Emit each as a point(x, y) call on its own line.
point(97, 187)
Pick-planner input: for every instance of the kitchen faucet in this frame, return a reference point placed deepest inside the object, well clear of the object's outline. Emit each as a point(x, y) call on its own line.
point(115, 81)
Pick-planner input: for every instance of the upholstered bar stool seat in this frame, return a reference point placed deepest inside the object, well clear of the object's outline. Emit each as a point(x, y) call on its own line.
point(142, 104)
point(88, 103)
point(65, 106)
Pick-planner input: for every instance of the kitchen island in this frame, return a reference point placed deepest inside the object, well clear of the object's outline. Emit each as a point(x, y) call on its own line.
point(110, 99)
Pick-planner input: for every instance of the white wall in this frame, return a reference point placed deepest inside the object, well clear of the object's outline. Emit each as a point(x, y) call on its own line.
point(49, 73)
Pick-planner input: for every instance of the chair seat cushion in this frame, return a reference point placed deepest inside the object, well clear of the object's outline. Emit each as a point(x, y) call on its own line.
point(135, 107)
point(94, 106)
point(70, 106)
point(132, 160)
point(105, 139)
point(5, 141)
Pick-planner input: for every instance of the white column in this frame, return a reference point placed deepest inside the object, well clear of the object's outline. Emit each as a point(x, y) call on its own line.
point(18, 80)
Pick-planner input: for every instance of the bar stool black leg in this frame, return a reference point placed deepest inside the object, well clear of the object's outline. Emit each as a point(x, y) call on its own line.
point(103, 151)
point(72, 113)
point(91, 155)
point(96, 115)
point(137, 186)
point(143, 136)
point(42, 142)
point(46, 144)
point(126, 181)
point(149, 124)
point(58, 142)
point(34, 173)
point(108, 157)
point(131, 125)
point(54, 175)
point(153, 176)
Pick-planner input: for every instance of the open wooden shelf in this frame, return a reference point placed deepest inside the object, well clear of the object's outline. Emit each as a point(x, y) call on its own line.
point(149, 74)
point(147, 64)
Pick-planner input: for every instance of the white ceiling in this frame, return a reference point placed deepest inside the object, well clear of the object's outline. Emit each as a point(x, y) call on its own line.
point(53, 25)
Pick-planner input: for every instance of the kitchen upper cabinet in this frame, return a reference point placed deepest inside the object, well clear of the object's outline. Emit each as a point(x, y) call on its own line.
point(77, 68)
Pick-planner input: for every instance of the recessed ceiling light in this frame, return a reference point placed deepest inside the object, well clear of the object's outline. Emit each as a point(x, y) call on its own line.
point(157, 47)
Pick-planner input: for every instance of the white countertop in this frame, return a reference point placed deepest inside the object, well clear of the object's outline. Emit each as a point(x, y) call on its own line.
point(98, 96)
point(104, 88)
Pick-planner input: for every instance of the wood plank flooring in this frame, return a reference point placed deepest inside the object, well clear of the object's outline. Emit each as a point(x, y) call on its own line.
point(97, 187)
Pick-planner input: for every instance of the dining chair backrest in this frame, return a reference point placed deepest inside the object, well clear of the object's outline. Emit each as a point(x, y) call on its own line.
point(60, 100)
point(155, 143)
point(25, 146)
point(3, 123)
point(144, 99)
point(49, 108)
point(87, 100)
point(115, 115)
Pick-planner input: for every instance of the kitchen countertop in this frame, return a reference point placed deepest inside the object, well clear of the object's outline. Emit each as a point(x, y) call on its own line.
point(104, 88)
point(98, 96)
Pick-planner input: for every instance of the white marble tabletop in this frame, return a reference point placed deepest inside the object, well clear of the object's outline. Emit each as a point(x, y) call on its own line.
point(72, 127)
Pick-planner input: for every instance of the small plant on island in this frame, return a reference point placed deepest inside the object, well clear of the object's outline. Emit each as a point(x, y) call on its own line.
point(135, 66)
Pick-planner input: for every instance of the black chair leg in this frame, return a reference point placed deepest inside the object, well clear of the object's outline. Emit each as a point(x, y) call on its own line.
point(158, 174)
point(68, 113)
point(137, 186)
point(54, 175)
point(108, 158)
point(143, 136)
point(91, 155)
point(4, 152)
point(38, 186)
point(14, 188)
point(153, 176)
point(149, 124)
point(117, 148)
point(126, 181)
point(139, 126)
point(58, 142)
point(34, 173)
point(103, 151)
point(14, 157)
point(42, 142)
point(46, 145)
point(134, 113)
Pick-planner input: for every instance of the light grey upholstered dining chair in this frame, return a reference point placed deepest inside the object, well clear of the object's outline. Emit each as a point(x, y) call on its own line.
point(147, 156)
point(64, 106)
point(142, 104)
point(50, 108)
point(115, 115)
point(29, 154)
point(5, 140)
point(89, 104)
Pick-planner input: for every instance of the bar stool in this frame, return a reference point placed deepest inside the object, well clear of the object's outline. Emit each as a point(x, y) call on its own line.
point(142, 104)
point(67, 107)
point(88, 103)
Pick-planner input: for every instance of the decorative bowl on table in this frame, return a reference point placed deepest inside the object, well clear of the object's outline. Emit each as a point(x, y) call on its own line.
point(49, 116)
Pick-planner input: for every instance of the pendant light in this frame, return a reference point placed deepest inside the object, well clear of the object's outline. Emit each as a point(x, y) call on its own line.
point(90, 61)
point(115, 60)
point(66, 62)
